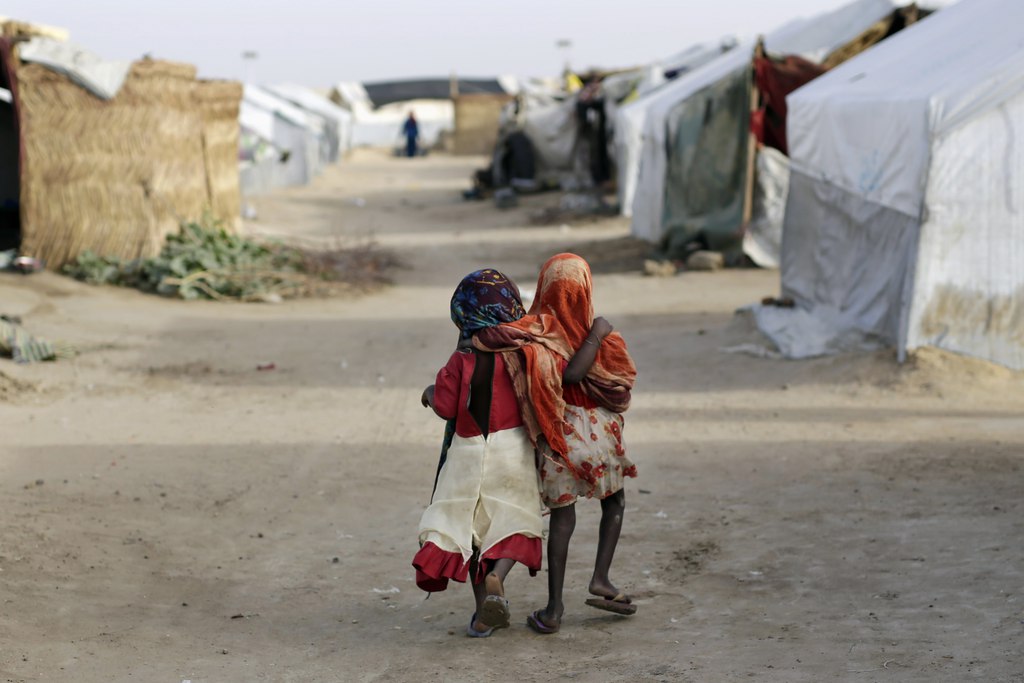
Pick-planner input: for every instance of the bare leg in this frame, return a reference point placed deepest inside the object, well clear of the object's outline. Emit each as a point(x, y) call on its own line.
point(479, 591)
point(563, 523)
point(501, 569)
point(613, 508)
point(493, 584)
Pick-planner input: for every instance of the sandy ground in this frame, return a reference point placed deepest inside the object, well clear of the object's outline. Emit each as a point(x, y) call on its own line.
point(171, 513)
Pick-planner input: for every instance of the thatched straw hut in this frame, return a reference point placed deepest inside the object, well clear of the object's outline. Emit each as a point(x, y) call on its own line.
point(115, 176)
point(218, 106)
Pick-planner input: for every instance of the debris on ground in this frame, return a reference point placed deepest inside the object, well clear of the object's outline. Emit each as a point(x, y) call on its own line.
point(655, 268)
point(12, 389)
point(17, 343)
point(755, 350)
point(705, 260)
point(784, 302)
point(205, 261)
point(506, 198)
point(9, 260)
point(581, 202)
point(575, 207)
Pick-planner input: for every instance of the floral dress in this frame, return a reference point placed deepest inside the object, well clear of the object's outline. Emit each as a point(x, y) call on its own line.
point(596, 464)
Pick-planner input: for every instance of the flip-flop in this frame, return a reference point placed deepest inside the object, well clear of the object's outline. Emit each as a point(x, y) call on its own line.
point(535, 623)
point(620, 604)
point(495, 612)
point(473, 633)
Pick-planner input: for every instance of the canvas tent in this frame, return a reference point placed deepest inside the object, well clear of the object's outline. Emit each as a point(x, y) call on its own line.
point(630, 117)
point(335, 121)
point(547, 140)
point(553, 136)
point(694, 158)
point(775, 76)
point(293, 136)
point(905, 219)
point(112, 174)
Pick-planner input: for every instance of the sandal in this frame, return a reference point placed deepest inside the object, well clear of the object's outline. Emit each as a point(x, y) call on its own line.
point(495, 612)
point(534, 622)
point(473, 633)
point(620, 604)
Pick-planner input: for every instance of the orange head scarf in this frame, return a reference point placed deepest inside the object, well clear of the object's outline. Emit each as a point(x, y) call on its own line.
point(558, 322)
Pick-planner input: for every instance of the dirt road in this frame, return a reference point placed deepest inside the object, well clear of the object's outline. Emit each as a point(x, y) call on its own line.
point(171, 513)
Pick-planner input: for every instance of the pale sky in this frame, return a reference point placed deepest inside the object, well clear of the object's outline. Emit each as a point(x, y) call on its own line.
point(318, 43)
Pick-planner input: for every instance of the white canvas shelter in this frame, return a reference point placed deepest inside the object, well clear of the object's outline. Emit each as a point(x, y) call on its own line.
point(102, 77)
point(552, 128)
point(382, 126)
point(629, 118)
point(812, 39)
point(337, 121)
point(291, 131)
point(905, 218)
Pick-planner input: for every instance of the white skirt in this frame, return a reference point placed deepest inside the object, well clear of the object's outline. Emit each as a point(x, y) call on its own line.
point(487, 490)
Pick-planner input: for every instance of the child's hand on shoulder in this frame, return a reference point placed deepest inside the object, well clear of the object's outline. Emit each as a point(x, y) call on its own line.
point(601, 328)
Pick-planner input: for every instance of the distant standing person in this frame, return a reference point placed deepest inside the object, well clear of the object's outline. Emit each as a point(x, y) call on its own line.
point(411, 129)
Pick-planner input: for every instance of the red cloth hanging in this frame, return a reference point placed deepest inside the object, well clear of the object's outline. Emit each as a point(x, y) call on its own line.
point(776, 78)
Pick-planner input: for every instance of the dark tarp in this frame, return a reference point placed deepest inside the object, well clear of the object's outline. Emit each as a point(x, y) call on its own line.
point(515, 159)
point(707, 167)
point(593, 121)
point(389, 92)
point(775, 79)
point(10, 154)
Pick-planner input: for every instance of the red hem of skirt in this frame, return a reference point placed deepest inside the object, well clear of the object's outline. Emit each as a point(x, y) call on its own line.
point(436, 567)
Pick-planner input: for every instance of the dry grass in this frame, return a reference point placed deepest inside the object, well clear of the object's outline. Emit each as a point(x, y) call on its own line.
point(116, 176)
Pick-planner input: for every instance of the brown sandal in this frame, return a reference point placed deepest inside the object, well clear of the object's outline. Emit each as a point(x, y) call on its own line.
point(620, 604)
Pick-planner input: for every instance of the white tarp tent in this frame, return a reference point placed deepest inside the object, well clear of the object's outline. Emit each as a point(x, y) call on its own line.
point(289, 130)
point(812, 39)
point(629, 118)
point(905, 219)
point(102, 77)
point(553, 130)
point(337, 121)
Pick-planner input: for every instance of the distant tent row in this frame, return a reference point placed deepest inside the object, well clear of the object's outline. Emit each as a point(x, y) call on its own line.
point(288, 135)
point(108, 156)
point(695, 182)
point(379, 109)
point(872, 152)
point(556, 136)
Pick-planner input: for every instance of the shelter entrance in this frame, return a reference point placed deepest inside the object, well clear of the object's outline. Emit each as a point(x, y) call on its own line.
point(10, 215)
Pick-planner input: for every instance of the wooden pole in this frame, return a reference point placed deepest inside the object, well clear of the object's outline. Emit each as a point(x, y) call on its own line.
point(748, 190)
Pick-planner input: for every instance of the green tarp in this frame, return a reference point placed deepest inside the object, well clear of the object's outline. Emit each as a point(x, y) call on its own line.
point(707, 167)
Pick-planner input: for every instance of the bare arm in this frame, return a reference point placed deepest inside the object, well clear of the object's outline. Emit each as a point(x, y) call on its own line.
point(579, 365)
point(427, 399)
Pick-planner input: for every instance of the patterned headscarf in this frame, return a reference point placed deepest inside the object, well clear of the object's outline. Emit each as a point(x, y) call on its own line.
point(483, 299)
